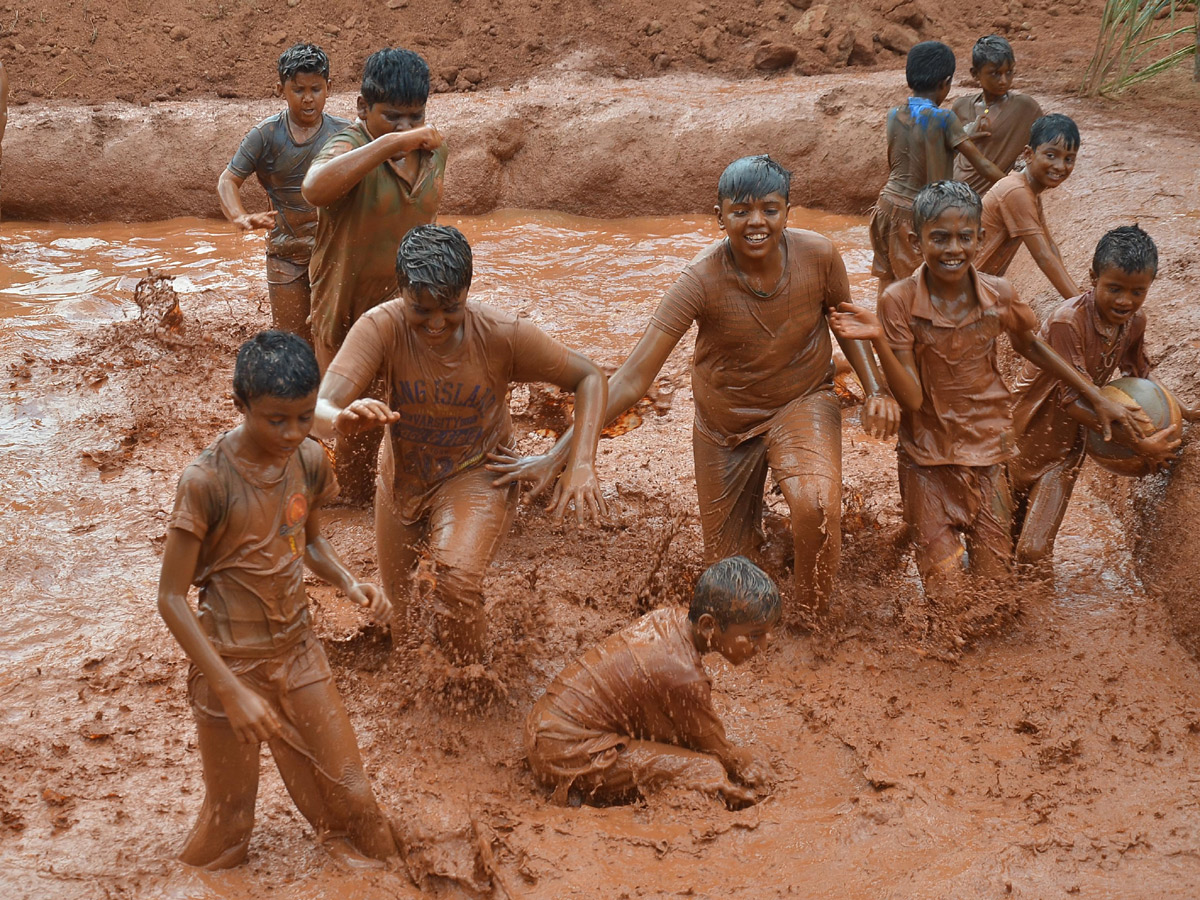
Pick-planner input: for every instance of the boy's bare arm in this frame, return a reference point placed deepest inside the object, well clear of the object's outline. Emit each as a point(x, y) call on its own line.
point(250, 717)
point(1045, 253)
point(979, 162)
point(579, 484)
point(853, 323)
point(229, 193)
point(881, 412)
point(341, 410)
point(331, 180)
point(323, 560)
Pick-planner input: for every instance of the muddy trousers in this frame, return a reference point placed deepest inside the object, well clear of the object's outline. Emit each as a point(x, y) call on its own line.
point(446, 552)
point(1041, 501)
point(290, 294)
point(356, 456)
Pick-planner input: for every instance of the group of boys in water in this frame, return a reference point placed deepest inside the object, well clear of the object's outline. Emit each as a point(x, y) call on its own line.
point(398, 352)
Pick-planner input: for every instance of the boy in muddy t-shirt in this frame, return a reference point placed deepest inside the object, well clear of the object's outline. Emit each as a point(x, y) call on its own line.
point(937, 338)
point(279, 151)
point(635, 714)
point(1001, 116)
point(922, 141)
point(447, 365)
point(244, 525)
point(371, 183)
point(762, 379)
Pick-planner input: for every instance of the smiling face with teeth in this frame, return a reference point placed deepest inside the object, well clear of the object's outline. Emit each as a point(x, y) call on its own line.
point(755, 228)
point(1049, 165)
point(949, 243)
point(436, 321)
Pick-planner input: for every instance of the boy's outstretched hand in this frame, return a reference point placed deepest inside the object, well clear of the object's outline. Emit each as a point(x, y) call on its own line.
point(579, 485)
point(853, 323)
point(752, 769)
point(372, 597)
point(366, 412)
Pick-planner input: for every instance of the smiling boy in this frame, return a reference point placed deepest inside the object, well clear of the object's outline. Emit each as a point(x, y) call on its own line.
point(371, 183)
point(1012, 210)
point(279, 150)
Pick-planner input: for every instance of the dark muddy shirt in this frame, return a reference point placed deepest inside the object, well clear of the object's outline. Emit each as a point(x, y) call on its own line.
point(1011, 123)
point(1011, 211)
point(922, 141)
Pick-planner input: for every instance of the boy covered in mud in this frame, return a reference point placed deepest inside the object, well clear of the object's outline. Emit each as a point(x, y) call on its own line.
point(279, 151)
point(447, 365)
point(937, 335)
point(371, 183)
point(922, 141)
point(635, 714)
point(1012, 210)
point(244, 525)
point(1100, 333)
point(762, 379)
point(997, 119)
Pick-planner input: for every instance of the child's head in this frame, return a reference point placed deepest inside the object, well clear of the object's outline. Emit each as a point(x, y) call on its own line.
point(395, 89)
point(946, 218)
point(930, 68)
point(434, 269)
point(275, 382)
point(752, 206)
point(1053, 146)
point(304, 82)
point(752, 178)
point(992, 64)
point(734, 608)
point(1123, 268)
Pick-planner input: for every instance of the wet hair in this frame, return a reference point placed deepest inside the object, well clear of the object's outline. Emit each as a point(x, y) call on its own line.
point(396, 76)
point(302, 58)
point(934, 199)
point(1127, 248)
point(435, 259)
point(275, 364)
point(991, 49)
point(1053, 127)
point(735, 591)
point(752, 177)
point(929, 63)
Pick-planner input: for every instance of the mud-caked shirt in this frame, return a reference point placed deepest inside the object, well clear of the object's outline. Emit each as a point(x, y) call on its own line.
point(1011, 211)
point(1011, 123)
point(922, 141)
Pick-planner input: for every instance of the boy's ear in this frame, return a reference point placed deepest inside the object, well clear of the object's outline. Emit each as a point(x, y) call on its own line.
point(706, 627)
point(914, 241)
point(279, 89)
point(720, 219)
point(362, 107)
point(1027, 153)
point(1093, 277)
point(240, 405)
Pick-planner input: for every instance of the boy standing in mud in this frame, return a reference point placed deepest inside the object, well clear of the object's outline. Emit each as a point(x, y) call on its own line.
point(1099, 333)
point(279, 151)
point(1001, 116)
point(634, 713)
point(371, 183)
point(244, 526)
point(447, 365)
point(762, 379)
point(1012, 210)
point(922, 142)
point(937, 334)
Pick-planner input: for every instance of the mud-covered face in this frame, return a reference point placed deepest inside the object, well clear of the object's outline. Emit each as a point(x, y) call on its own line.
point(384, 118)
point(274, 427)
point(995, 78)
point(1050, 164)
point(949, 244)
point(738, 643)
point(754, 225)
point(437, 322)
point(1120, 294)
point(305, 94)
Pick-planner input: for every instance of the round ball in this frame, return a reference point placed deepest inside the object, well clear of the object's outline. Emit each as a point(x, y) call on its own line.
point(1160, 407)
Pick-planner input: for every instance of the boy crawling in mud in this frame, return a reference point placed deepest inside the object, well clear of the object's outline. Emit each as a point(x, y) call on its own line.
point(447, 365)
point(244, 526)
point(937, 338)
point(635, 714)
point(997, 119)
point(1099, 333)
point(922, 142)
point(1012, 210)
point(371, 183)
point(762, 379)
point(279, 151)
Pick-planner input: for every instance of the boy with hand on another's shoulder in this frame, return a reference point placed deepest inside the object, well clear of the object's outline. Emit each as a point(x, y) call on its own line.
point(279, 151)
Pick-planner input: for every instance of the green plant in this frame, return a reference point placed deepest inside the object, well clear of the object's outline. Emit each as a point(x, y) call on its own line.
point(1131, 42)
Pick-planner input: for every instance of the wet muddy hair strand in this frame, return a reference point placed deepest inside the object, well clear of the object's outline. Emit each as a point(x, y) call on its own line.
point(302, 57)
point(1053, 127)
point(929, 63)
point(752, 177)
point(434, 259)
point(992, 49)
point(1127, 248)
point(735, 591)
point(396, 76)
point(934, 199)
point(275, 364)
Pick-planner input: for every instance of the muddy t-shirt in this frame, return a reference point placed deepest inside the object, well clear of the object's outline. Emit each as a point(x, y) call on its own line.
point(280, 163)
point(1043, 427)
point(645, 682)
point(756, 354)
point(1011, 210)
point(453, 408)
point(1011, 123)
point(922, 142)
point(353, 264)
point(251, 566)
point(965, 417)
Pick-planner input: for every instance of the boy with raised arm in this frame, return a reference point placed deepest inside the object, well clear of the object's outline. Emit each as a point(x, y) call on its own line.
point(279, 151)
point(922, 141)
point(634, 714)
point(244, 526)
point(762, 379)
point(371, 183)
point(1001, 116)
point(447, 365)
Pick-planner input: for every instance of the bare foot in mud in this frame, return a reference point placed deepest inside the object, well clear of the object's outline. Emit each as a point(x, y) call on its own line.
point(347, 856)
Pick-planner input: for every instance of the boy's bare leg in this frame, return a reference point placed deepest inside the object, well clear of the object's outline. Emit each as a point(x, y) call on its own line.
point(396, 547)
point(816, 514)
point(290, 307)
point(221, 835)
point(356, 456)
point(648, 766)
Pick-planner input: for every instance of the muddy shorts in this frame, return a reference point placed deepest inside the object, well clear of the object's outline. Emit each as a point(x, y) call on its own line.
point(273, 678)
point(563, 755)
point(943, 502)
point(286, 271)
point(1041, 495)
point(804, 440)
point(891, 225)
